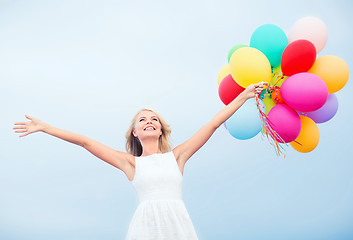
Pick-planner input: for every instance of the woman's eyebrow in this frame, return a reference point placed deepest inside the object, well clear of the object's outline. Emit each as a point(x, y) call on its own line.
point(150, 117)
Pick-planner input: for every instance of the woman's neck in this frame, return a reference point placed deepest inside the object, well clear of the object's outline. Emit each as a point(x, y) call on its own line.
point(150, 147)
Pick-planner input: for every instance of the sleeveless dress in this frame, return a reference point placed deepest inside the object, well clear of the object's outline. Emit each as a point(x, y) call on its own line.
point(161, 213)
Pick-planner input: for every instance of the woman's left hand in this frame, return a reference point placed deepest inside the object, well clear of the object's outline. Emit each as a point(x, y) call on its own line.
point(254, 89)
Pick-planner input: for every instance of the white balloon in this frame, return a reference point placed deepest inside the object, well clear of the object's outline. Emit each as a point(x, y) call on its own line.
point(309, 28)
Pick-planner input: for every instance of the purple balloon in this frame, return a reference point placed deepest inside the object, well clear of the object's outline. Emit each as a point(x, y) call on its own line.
point(326, 112)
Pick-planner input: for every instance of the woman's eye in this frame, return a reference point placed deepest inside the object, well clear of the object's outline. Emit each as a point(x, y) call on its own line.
point(155, 119)
point(141, 119)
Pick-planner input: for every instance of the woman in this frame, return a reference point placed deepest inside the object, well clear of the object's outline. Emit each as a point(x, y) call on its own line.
point(154, 170)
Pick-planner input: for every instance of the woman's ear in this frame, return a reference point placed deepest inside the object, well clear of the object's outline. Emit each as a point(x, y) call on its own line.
point(134, 133)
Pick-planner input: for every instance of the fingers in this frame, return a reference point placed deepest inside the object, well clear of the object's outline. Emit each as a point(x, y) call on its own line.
point(261, 84)
point(20, 123)
point(259, 87)
point(23, 135)
point(258, 90)
point(21, 131)
point(20, 127)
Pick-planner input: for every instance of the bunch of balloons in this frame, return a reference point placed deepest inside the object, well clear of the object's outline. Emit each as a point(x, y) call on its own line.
point(302, 86)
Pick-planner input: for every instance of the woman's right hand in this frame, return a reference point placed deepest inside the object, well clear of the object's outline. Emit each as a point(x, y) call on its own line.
point(32, 126)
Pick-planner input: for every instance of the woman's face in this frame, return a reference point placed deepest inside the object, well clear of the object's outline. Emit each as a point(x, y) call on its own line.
point(147, 125)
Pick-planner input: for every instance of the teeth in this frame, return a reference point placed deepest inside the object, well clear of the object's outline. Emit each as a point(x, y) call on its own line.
point(149, 128)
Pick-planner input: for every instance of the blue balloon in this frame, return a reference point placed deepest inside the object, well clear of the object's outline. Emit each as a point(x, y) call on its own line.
point(271, 41)
point(246, 122)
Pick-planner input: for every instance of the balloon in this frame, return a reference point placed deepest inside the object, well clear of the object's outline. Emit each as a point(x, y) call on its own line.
point(233, 49)
point(285, 121)
point(271, 40)
point(249, 65)
point(326, 112)
point(269, 104)
point(304, 92)
point(299, 56)
point(225, 70)
point(333, 70)
point(276, 96)
point(229, 89)
point(308, 137)
point(245, 123)
point(277, 76)
point(311, 29)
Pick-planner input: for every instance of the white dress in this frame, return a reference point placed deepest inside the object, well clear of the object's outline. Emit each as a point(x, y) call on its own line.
point(161, 213)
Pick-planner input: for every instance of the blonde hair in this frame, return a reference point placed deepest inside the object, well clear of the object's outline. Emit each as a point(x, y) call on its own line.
point(133, 144)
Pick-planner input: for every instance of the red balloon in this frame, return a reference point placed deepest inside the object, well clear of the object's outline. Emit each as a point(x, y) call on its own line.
point(298, 56)
point(228, 89)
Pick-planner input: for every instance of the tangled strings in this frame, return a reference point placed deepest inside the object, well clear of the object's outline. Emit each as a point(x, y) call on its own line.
point(272, 136)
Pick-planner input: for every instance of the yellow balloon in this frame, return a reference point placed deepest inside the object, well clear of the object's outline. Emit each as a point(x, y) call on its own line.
point(225, 71)
point(269, 103)
point(308, 137)
point(333, 70)
point(263, 130)
point(249, 65)
point(277, 76)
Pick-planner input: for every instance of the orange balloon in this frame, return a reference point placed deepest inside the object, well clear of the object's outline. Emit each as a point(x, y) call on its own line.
point(308, 137)
point(276, 96)
point(333, 70)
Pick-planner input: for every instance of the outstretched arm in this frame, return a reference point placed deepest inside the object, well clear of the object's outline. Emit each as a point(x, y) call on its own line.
point(121, 160)
point(185, 150)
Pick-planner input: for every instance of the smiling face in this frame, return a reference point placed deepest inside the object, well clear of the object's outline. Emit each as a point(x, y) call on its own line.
point(147, 125)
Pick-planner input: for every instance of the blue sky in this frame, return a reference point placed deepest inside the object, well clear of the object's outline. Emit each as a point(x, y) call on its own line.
point(88, 66)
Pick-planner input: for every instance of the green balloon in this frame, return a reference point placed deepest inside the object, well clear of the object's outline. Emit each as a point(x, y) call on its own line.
point(271, 40)
point(233, 49)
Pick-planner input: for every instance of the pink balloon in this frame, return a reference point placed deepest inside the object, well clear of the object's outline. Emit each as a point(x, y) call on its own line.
point(285, 121)
point(305, 92)
point(309, 28)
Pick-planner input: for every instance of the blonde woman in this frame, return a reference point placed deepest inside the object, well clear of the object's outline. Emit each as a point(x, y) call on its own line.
point(152, 166)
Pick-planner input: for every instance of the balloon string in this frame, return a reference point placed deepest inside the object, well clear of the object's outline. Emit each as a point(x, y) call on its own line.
point(272, 136)
point(278, 77)
point(270, 133)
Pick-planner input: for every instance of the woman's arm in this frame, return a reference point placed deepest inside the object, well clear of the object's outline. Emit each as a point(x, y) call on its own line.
point(121, 160)
point(184, 151)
